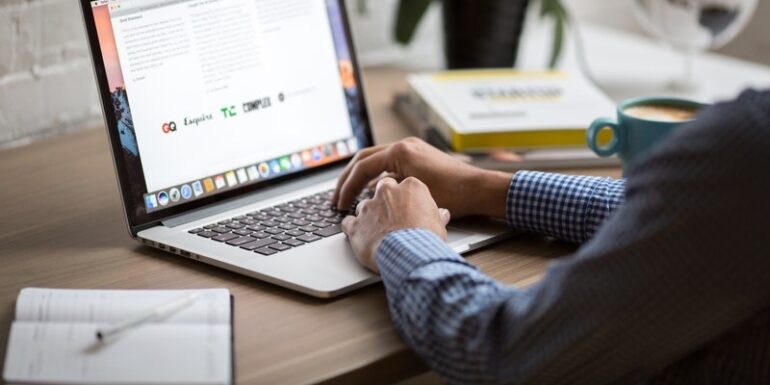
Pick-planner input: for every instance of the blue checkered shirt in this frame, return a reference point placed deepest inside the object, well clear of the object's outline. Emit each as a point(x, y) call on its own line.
point(670, 285)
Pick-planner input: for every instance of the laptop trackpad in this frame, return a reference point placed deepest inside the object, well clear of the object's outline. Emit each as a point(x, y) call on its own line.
point(456, 236)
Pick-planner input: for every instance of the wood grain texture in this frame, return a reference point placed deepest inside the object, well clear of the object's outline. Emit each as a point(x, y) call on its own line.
point(61, 226)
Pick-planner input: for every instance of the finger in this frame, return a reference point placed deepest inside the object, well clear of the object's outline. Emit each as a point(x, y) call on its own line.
point(348, 224)
point(363, 172)
point(383, 182)
point(445, 215)
point(360, 206)
point(373, 183)
point(361, 155)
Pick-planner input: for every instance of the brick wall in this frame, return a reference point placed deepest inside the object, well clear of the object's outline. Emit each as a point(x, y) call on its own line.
point(46, 82)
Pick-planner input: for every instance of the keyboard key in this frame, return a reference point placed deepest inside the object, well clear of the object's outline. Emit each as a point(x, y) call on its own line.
point(281, 237)
point(295, 233)
point(256, 228)
point(235, 226)
point(270, 224)
point(242, 232)
point(314, 218)
point(287, 226)
point(308, 229)
point(248, 222)
point(195, 231)
point(221, 230)
point(296, 216)
point(225, 237)
point(282, 220)
point(334, 220)
point(300, 222)
point(280, 247)
point(321, 225)
point(329, 231)
point(238, 218)
point(240, 241)
point(293, 242)
point(260, 243)
point(224, 222)
point(266, 251)
point(260, 235)
point(209, 227)
point(261, 217)
point(309, 238)
point(274, 231)
point(273, 213)
point(207, 234)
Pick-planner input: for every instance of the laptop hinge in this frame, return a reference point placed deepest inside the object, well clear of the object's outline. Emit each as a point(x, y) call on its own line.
point(248, 199)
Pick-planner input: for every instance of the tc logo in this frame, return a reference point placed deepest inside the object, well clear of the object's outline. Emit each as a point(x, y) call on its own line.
point(228, 112)
point(168, 127)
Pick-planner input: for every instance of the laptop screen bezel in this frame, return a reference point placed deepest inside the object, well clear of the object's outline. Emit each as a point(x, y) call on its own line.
point(138, 222)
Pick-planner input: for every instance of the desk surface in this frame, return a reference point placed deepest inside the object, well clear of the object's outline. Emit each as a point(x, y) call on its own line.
point(61, 226)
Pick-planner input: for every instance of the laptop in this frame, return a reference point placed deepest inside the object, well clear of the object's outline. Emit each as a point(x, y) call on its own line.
point(229, 122)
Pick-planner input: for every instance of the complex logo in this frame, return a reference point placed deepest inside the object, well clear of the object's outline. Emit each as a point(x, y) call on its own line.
point(168, 127)
point(258, 104)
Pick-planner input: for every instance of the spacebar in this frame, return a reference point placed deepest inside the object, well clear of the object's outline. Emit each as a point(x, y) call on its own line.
point(329, 231)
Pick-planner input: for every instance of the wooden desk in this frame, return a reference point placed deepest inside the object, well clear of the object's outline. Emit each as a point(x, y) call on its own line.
point(61, 225)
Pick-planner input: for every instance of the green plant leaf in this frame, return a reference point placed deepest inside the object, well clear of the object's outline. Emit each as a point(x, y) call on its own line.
point(555, 9)
point(410, 13)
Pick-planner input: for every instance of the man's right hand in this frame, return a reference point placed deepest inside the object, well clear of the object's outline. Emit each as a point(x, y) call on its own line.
point(462, 189)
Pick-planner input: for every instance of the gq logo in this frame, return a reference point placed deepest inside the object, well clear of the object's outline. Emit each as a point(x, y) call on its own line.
point(168, 127)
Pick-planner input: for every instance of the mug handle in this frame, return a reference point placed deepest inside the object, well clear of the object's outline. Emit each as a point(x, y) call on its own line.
point(593, 137)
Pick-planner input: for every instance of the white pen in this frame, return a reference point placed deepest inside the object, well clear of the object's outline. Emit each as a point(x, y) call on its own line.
point(161, 311)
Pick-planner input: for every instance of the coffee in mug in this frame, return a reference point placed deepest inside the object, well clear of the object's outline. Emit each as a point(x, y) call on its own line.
point(641, 124)
point(661, 113)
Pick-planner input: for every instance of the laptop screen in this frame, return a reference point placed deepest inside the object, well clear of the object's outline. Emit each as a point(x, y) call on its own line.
point(211, 96)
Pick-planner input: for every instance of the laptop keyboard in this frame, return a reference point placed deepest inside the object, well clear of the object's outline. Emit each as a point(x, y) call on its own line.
point(281, 227)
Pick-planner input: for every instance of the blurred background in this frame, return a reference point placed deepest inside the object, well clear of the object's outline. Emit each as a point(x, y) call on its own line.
point(47, 86)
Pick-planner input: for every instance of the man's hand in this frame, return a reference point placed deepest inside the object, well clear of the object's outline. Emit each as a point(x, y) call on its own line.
point(461, 188)
point(394, 207)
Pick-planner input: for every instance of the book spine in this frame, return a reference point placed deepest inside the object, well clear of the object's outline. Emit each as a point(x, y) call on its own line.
point(427, 114)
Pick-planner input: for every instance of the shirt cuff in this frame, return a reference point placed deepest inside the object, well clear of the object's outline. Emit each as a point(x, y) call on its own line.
point(401, 252)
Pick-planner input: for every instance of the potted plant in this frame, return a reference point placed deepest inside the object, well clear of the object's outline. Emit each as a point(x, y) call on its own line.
point(480, 33)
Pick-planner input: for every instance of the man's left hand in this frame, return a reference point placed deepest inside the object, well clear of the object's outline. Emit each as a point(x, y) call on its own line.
point(394, 207)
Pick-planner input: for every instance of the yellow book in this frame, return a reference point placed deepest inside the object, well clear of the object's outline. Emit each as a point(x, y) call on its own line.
point(478, 110)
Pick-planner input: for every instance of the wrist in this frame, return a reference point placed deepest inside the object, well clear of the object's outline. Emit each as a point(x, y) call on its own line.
point(490, 193)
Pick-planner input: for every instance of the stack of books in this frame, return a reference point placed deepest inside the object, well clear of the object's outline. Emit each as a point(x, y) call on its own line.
point(507, 119)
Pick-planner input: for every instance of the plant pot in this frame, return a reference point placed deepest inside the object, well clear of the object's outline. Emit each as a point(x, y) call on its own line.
point(482, 33)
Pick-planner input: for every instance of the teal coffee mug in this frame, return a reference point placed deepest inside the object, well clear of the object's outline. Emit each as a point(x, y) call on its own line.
point(640, 125)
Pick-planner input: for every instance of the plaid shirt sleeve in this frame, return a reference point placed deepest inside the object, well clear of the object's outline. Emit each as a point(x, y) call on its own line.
point(567, 207)
point(442, 305)
point(446, 290)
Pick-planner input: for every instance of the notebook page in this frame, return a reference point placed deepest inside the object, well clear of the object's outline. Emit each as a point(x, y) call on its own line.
point(111, 306)
point(150, 354)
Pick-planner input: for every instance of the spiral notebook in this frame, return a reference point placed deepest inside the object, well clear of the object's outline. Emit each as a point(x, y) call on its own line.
point(53, 338)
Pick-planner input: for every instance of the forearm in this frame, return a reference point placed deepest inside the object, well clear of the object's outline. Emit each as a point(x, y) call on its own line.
point(442, 306)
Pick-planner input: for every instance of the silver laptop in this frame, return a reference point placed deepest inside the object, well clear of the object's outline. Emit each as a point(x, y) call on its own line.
point(229, 121)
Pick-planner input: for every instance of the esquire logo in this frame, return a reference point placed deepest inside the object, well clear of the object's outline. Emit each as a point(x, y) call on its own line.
point(170, 127)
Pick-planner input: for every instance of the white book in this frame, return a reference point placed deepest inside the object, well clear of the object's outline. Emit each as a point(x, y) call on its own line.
point(500, 108)
point(53, 339)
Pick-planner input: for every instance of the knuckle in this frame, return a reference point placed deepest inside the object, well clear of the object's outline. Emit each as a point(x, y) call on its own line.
point(402, 148)
point(412, 181)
